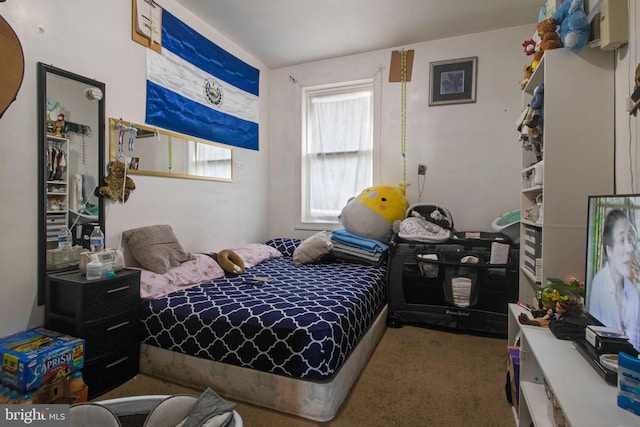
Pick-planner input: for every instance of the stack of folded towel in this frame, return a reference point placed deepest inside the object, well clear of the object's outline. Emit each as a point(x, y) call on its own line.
point(349, 247)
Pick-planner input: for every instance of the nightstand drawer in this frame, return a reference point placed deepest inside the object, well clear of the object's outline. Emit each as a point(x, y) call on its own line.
point(72, 295)
point(120, 332)
point(111, 371)
point(104, 299)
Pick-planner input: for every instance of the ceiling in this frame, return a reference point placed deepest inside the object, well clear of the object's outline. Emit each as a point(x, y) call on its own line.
point(281, 33)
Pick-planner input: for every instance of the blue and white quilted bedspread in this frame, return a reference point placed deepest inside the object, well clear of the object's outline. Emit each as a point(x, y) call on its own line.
point(303, 324)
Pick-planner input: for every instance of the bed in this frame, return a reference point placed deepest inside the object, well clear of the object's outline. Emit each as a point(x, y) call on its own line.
point(295, 344)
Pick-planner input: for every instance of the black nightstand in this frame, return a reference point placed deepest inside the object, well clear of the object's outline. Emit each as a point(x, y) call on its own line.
point(104, 313)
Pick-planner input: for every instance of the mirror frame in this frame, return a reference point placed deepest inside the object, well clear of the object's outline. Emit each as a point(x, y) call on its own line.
point(113, 122)
point(43, 70)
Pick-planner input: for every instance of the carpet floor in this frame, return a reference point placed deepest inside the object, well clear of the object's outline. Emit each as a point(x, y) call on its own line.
point(416, 377)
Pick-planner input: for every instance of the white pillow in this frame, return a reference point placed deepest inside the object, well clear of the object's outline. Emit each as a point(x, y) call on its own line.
point(313, 248)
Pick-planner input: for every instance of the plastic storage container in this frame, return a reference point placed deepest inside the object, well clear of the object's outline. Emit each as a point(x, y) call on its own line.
point(94, 270)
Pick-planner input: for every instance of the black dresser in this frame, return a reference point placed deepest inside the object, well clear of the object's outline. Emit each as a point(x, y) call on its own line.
point(104, 313)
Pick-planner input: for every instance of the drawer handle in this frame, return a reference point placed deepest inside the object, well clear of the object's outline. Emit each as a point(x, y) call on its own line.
point(122, 288)
point(117, 362)
point(119, 325)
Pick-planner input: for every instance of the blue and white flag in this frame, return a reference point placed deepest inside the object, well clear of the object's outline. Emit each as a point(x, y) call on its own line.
point(197, 88)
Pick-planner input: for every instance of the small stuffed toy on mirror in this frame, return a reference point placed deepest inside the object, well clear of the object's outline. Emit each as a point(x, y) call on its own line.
point(115, 181)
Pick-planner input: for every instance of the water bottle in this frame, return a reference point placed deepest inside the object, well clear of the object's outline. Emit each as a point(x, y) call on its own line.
point(96, 240)
point(64, 239)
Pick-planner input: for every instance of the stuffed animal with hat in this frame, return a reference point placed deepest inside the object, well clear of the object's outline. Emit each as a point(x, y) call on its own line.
point(373, 212)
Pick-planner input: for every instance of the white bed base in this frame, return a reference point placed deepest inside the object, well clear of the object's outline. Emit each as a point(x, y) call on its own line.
point(319, 401)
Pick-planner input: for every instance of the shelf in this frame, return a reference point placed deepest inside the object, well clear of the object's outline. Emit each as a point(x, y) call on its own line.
point(529, 275)
point(57, 138)
point(537, 403)
point(585, 398)
point(531, 223)
point(534, 189)
point(533, 166)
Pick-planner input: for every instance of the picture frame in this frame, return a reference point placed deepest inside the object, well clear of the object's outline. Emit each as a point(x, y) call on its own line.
point(453, 81)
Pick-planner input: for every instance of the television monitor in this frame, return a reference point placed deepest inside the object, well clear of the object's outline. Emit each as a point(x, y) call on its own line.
point(612, 280)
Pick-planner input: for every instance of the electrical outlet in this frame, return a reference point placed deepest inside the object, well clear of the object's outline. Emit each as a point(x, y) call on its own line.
point(422, 169)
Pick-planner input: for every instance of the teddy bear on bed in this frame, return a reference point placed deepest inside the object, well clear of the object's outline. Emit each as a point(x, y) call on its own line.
point(373, 212)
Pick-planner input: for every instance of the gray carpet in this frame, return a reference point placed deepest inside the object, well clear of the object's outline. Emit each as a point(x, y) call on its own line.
point(416, 377)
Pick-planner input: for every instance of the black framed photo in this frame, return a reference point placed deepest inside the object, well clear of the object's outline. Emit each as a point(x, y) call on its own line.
point(453, 81)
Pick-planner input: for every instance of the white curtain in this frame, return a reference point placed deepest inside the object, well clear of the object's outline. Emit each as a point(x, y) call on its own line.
point(339, 152)
point(209, 160)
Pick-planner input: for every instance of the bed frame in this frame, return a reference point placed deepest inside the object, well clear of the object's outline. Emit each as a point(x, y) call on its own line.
point(319, 401)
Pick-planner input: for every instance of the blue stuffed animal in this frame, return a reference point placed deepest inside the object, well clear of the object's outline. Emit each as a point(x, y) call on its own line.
point(573, 24)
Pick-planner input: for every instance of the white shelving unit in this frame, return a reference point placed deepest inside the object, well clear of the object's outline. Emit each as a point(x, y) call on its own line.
point(578, 156)
point(57, 192)
point(584, 397)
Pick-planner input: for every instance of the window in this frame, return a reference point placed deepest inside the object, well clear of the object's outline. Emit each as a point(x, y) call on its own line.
point(209, 160)
point(337, 148)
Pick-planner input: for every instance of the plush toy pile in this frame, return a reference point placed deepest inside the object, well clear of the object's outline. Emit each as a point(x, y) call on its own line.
point(568, 27)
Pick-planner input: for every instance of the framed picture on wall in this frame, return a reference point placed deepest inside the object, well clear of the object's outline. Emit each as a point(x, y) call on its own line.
point(453, 81)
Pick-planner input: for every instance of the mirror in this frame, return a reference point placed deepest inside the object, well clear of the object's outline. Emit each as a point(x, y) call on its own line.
point(148, 150)
point(71, 123)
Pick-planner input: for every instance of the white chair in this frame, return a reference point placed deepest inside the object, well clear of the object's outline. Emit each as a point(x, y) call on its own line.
point(92, 414)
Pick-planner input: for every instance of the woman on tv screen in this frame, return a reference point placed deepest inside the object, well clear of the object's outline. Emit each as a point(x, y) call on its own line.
point(613, 298)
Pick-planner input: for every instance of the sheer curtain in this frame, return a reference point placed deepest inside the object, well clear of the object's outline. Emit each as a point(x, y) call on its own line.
point(209, 160)
point(339, 151)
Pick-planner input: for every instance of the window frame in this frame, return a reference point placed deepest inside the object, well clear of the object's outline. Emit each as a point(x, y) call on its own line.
point(304, 221)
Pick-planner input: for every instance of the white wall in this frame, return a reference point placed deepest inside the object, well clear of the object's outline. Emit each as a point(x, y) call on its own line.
point(93, 38)
point(627, 126)
point(471, 150)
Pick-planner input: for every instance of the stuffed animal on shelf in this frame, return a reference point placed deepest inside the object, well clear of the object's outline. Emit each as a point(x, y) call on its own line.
point(574, 27)
point(528, 72)
point(529, 47)
point(60, 125)
point(534, 121)
point(372, 213)
point(549, 39)
point(115, 181)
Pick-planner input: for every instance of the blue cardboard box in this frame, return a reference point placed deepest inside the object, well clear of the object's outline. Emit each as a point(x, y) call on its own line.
point(629, 383)
point(35, 357)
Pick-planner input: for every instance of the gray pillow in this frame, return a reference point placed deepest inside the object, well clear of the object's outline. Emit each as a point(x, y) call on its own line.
point(312, 249)
point(156, 248)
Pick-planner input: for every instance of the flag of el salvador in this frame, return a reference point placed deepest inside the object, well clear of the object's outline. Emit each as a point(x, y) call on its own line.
point(199, 89)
